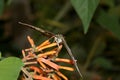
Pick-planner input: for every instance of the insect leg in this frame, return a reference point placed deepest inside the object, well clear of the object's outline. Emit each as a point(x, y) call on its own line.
point(71, 55)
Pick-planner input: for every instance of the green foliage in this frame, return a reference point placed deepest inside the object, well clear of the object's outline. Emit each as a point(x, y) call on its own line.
point(10, 68)
point(103, 63)
point(107, 16)
point(115, 11)
point(110, 22)
point(85, 10)
point(9, 2)
point(1, 6)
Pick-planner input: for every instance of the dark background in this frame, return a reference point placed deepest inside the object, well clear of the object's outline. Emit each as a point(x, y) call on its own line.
point(97, 52)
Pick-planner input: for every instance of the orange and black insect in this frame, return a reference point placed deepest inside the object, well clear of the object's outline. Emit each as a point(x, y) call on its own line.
point(43, 59)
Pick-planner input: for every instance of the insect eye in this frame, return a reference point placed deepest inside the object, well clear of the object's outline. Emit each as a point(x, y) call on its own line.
point(49, 50)
point(58, 40)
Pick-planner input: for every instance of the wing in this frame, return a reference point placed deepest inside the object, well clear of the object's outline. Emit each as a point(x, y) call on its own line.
point(59, 39)
point(46, 33)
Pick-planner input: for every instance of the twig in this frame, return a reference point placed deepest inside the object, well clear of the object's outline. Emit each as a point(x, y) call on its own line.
point(63, 11)
point(60, 38)
point(91, 54)
point(27, 73)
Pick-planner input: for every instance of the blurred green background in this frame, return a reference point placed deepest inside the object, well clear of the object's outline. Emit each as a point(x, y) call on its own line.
point(97, 51)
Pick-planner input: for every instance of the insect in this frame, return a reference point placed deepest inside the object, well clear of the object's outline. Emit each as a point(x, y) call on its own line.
point(59, 39)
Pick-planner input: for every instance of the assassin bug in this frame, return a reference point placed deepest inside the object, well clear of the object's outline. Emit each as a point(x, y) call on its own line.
point(59, 39)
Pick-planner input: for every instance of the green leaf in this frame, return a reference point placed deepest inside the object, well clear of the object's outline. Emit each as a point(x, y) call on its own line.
point(103, 63)
point(85, 10)
point(1, 6)
point(10, 68)
point(110, 22)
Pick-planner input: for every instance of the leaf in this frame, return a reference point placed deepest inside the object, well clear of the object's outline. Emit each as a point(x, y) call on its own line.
point(10, 68)
point(110, 22)
point(1, 6)
point(102, 62)
point(85, 10)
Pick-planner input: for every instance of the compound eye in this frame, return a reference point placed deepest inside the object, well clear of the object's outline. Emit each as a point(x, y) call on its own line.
point(58, 40)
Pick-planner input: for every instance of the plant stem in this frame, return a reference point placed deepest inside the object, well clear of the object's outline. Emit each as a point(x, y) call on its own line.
point(63, 11)
point(27, 73)
point(92, 53)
